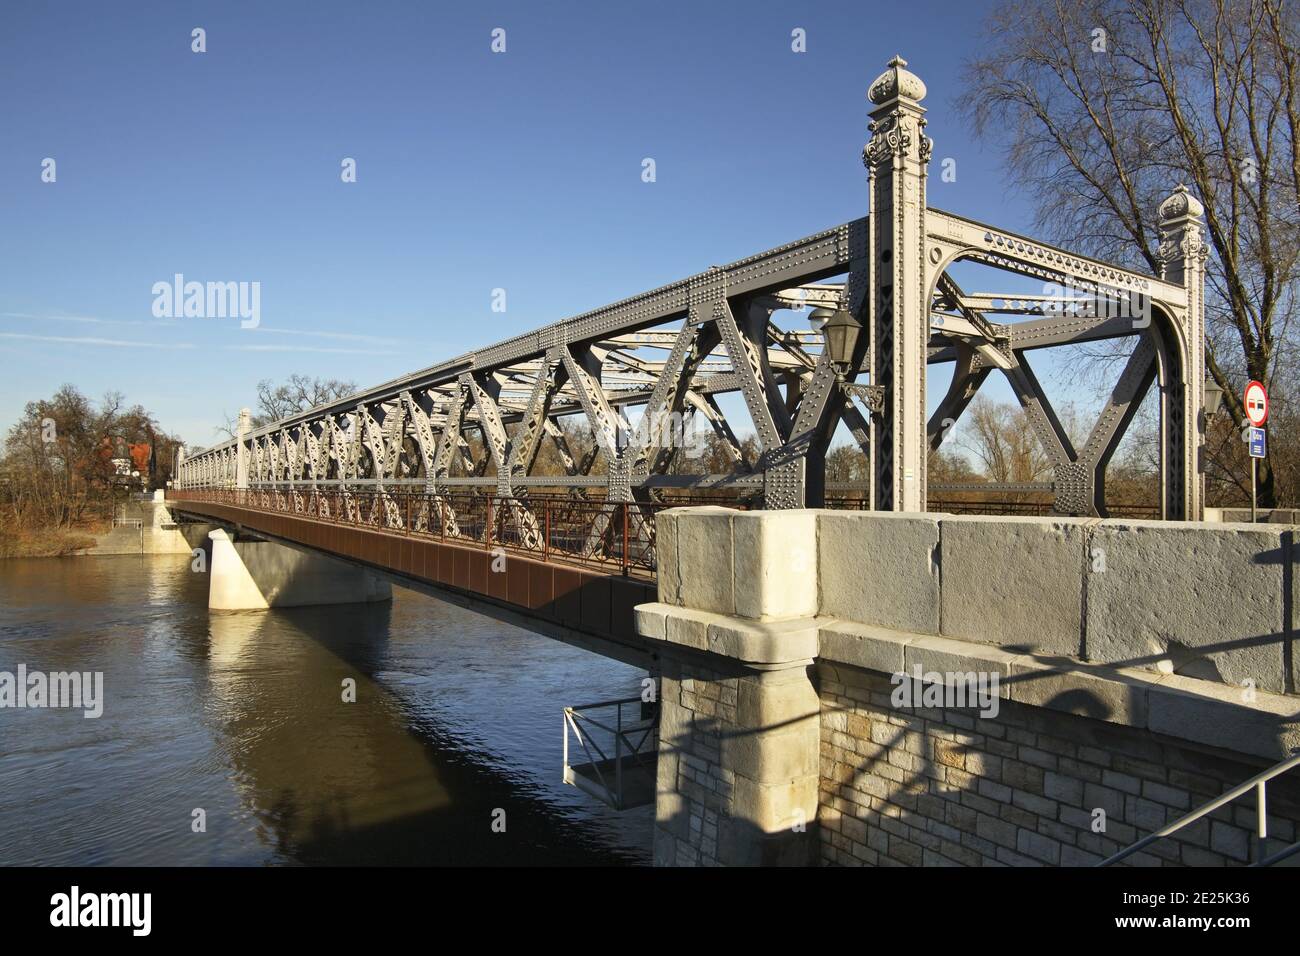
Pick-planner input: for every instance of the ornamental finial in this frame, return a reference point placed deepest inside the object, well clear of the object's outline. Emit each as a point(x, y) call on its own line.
point(1181, 204)
point(896, 82)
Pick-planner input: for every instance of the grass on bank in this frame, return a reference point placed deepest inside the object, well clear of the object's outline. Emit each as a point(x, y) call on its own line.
point(18, 542)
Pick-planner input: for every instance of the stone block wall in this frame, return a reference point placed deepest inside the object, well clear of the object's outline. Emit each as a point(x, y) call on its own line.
point(693, 789)
point(946, 787)
point(1216, 602)
point(1129, 672)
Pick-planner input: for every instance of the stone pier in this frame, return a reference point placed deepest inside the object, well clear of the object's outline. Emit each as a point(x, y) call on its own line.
point(257, 574)
point(739, 725)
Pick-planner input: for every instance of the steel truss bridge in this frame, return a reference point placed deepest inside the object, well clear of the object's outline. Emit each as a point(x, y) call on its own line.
point(417, 454)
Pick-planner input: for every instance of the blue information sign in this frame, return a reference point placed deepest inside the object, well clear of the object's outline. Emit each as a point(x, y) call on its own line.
point(1257, 443)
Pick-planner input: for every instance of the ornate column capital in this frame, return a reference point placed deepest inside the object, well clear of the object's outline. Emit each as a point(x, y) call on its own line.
point(897, 122)
point(1182, 238)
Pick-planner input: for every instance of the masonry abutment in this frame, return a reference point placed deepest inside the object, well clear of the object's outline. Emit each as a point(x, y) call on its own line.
point(783, 741)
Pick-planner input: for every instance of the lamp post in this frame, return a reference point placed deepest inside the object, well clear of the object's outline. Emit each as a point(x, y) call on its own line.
point(841, 331)
point(1213, 397)
point(1211, 402)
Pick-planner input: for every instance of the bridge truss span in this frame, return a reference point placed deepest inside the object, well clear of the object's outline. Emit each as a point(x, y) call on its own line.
point(831, 331)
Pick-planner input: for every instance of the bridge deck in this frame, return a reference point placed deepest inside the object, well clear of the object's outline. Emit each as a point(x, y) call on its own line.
point(587, 599)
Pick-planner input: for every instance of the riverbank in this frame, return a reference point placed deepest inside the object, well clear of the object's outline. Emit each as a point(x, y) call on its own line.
point(18, 542)
point(142, 527)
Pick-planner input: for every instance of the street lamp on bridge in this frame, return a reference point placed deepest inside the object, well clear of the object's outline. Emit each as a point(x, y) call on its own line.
point(841, 331)
point(1213, 397)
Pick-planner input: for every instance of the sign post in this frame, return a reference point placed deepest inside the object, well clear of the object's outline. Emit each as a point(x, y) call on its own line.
point(1254, 489)
point(1255, 401)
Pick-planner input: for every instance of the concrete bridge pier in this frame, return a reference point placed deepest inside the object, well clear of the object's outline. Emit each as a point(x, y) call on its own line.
point(739, 721)
point(257, 574)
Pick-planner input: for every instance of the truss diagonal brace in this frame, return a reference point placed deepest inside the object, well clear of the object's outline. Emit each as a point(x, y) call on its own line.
point(707, 406)
point(486, 389)
point(449, 440)
point(668, 393)
point(1042, 417)
point(528, 434)
point(1125, 399)
point(370, 436)
point(967, 377)
point(424, 436)
point(747, 366)
point(584, 376)
point(561, 446)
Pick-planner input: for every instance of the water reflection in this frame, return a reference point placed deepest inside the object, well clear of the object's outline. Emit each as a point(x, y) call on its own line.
point(242, 714)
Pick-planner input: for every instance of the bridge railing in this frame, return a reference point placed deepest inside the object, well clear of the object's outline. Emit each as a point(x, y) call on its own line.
point(618, 536)
point(1257, 783)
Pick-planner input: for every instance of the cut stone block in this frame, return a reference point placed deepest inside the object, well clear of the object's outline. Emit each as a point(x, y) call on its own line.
point(758, 642)
point(773, 757)
point(879, 568)
point(773, 808)
point(1117, 695)
point(666, 563)
point(1012, 581)
point(651, 620)
point(1267, 725)
point(775, 563)
point(944, 654)
point(704, 559)
point(861, 645)
point(740, 639)
point(779, 698)
point(1207, 597)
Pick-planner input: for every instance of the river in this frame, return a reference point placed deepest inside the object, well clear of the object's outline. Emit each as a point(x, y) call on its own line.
point(240, 715)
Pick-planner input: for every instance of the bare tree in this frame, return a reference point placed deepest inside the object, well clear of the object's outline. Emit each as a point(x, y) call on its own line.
point(296, 394)
point(998, 439)
point(847, 463)
point(1103, 105)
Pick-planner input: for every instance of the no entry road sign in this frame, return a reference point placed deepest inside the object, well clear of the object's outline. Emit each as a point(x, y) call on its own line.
point(1256, 401)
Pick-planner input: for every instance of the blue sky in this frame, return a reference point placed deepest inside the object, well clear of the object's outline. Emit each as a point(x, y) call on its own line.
point(475, 171)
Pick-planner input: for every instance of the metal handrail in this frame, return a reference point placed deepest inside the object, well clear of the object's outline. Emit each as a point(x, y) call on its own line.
point(1279, 856)
point(615, 535)
point(1258, 783)
point(622, 737)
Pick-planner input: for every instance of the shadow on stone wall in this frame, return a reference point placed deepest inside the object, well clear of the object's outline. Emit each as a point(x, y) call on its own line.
point(1031, 786)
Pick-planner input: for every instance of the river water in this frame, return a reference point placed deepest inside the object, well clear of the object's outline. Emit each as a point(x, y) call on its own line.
point(456, 726)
